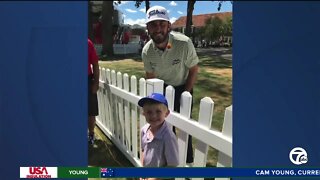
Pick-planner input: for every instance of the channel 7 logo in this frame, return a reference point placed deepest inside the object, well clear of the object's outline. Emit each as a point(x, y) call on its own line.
point(298, 156)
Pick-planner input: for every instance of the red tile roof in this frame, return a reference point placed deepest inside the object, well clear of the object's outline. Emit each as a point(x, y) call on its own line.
point(199, 20)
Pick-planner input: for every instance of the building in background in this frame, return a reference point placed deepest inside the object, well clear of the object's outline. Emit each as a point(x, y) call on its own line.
point(199, 21)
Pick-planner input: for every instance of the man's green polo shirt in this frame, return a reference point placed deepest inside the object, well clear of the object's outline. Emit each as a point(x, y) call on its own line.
point(171, 65)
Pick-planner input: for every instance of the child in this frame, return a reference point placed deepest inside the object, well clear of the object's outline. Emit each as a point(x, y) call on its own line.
point(158, 143)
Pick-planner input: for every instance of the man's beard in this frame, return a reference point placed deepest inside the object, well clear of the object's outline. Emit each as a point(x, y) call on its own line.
point(158, 39)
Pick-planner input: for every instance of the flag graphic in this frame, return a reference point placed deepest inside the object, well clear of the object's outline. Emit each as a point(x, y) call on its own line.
point(106, 172)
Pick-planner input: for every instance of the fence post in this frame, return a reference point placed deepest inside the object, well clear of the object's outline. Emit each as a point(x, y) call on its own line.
point(170, 91)
point(103, 111)
point(109, 101)
point(100, 95)
point(183, 137)
point(142, 93)
point(114, 105)
point(127, 120)
point(223, 159)
point(120, 108)
point(142, 119)
point(134, 114)
point(154, 86)
point(205, 119)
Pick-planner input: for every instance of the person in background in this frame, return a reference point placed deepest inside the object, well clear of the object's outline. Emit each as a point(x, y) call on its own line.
point(98, 31)
point(93, 86)
point(170, 56)
point(126, 37)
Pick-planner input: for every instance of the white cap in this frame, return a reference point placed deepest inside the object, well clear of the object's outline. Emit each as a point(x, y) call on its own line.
point(157, 13)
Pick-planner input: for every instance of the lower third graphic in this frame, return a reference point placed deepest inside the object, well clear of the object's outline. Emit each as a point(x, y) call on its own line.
point(106, 172)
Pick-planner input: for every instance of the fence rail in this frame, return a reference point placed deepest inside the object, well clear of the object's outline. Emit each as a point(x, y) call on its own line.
point(120, 119)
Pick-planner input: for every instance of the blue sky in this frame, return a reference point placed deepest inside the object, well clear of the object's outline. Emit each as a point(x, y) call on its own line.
point(133, 15)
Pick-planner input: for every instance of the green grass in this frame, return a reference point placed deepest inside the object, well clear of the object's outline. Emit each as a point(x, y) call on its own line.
point(214, 80)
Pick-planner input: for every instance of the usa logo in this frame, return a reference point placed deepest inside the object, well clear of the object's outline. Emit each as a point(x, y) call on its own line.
point(38, 172)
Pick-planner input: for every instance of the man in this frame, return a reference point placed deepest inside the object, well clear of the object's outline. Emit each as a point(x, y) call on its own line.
point(93, 86)
point(170, 56)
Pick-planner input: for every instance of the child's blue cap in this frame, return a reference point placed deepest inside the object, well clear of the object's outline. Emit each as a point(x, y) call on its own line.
point(153, 97)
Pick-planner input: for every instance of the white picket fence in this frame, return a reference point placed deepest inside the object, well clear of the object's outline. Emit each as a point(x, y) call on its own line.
point(120, 119)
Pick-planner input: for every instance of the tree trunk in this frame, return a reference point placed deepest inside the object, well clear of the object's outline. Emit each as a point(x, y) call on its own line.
point(189, 17)
point(90, 27)
point(147, 5)
point(107, 26)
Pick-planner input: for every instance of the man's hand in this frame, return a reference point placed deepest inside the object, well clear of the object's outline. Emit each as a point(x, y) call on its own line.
point(150, 75)
point(193, 72)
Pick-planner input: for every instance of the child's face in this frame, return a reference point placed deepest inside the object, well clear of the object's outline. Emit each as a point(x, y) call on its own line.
point(155, 113)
